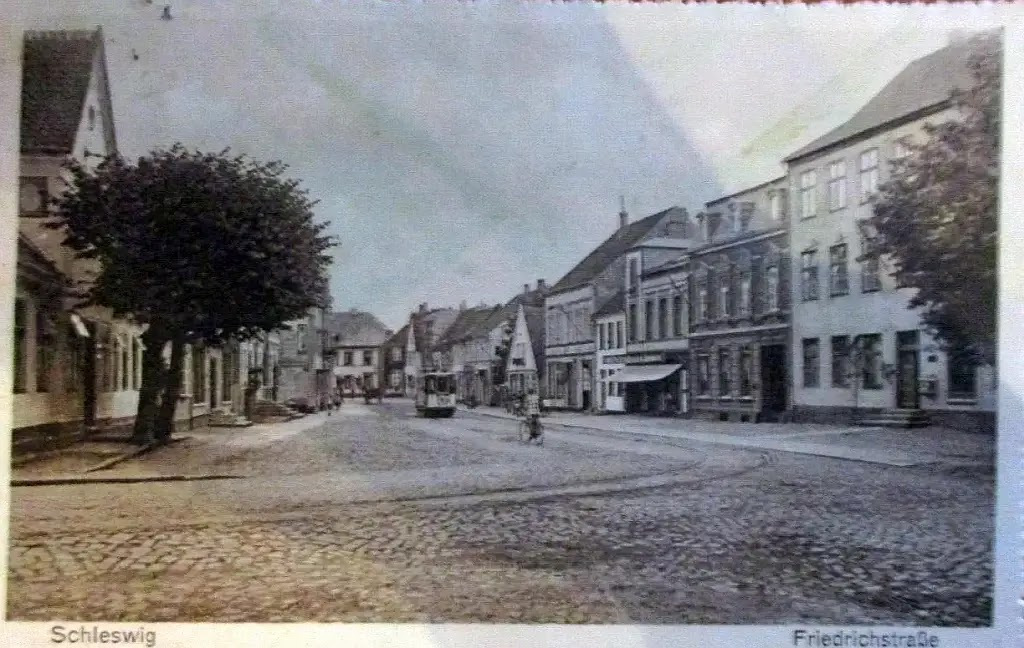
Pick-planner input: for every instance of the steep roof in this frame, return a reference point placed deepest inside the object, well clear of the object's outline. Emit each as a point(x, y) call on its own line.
point(56, 69)
point(429, 327)
point(535, 325)
point(924, 85)
point(606, 253)
point(355, 328)
point(615, 304)
point(398, 338)
point(464, 325)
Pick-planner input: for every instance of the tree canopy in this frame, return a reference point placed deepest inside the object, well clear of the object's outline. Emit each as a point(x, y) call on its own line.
point(936, 219)
point(210, 246)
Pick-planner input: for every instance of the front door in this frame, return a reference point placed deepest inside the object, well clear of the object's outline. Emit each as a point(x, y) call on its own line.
point(773, 378)
point(213, 383)
point(907, 368)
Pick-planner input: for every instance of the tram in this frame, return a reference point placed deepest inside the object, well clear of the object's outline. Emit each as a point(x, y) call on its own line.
point(435, 394)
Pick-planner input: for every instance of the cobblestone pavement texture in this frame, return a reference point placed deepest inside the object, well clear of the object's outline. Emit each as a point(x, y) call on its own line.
point(746, 538)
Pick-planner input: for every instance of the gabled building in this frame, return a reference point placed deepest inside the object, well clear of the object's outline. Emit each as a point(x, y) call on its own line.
point(739, 325)
point(353, 349)
point(858, 351)
point(74, 370)
point(572, 301)
point(392, 362)
point(426, 326)
point(456, 347)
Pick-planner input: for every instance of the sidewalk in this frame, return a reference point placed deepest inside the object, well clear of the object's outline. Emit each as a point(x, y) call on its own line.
point(191, 455)
point(894, 447)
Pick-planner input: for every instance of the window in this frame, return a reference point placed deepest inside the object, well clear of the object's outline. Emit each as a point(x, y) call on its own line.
point(808, 180)
point(347, 359)
point(20, 346)
point(227, 369)
point(300, 337)
point(868, 174)
point(702, 303)
point(662, 318)
point(962, 377)
point(33, 195)
point(396, 354)
point(839, 283)
point(724, 388)
point(600, 336)
point(634, 277)
point(632, 322)
point(45, 340)
point(92, 118)
point(610, 335)
point(809, 275)
point(771, 288)
point(368, 358)
point(811, 362)
point(869, 276)
point(744, 296)
point(723, 297)
point(871, 361)
point(837, 185)
point(746, 371)
point(198, 375)
point(137, 374)
point(901, 148)
point(840, 361)
point(618, 334)
point(649, 319)
point(777, 206)
point(703, 375)
point(677, 316)
point(126, 362)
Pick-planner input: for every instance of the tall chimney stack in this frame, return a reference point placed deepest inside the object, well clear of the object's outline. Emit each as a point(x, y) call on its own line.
point(623, 215)
point(526, 288)
point(541, 285)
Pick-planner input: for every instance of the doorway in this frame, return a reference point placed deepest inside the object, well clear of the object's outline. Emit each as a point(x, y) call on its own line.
point(908, 358)
point(773, 378)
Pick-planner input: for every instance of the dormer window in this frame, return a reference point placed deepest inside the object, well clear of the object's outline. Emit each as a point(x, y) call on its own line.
point(92, 118)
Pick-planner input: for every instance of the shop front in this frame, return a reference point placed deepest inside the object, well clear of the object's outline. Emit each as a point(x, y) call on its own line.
point(656, 388)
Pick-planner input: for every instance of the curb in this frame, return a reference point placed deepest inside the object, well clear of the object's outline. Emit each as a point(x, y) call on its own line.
point(60, 481)
point(141, 450)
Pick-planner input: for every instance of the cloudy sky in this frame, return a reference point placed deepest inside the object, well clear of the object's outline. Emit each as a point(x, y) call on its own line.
point(462, 150)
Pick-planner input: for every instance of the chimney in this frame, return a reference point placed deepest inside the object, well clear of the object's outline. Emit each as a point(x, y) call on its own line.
point(526, 288)
point(623, 215)
point(423, 307)
point(541, 285)
point(462, 305)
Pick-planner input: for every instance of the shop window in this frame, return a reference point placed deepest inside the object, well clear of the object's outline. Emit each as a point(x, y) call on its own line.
point(724, 383)
point(811, 361)
point(703, 375)
point(870, 360)
point(963, 377)
point(746, 371)
point(840, 361)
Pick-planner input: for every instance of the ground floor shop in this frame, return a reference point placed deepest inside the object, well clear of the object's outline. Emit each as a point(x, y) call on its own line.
point(569, 382)
point(655, 384)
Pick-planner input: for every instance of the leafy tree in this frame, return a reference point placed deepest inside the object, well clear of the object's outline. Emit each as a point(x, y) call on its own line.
point(936, 219)
point(200, 248)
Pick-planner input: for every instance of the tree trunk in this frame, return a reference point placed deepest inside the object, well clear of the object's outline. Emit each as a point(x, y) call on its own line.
point(172, 390)
point(153, 370)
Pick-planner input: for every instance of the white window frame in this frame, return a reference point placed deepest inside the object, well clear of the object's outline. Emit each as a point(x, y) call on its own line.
point(837, 185)
point(771, 281)
point(868, 165)
point(808, 194)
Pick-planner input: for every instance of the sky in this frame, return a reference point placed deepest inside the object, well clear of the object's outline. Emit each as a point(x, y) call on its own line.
point(460, 150)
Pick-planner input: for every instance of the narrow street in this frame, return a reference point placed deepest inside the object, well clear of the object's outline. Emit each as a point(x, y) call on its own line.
point(374, 515)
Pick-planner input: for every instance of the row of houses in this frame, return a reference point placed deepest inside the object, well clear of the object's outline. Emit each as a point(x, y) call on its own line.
point(756, 308)
point(77, 371)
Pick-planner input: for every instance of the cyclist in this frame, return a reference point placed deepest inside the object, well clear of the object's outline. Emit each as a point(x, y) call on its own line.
point(531, 410)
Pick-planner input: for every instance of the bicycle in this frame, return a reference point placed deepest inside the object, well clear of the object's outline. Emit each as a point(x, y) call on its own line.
point(524, 431)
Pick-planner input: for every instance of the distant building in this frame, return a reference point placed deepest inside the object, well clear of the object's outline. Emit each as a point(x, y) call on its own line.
point(303, 374)
point(857, 349)
point(392, 362)
point(459, 352)
point(426, 326)
point(353, 349)
point(572, 301)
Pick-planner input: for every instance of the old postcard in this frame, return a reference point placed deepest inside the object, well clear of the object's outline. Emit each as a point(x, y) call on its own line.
point(507, 323)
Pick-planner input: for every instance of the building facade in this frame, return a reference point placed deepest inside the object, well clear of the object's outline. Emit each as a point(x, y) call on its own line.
point(303, 375)
point(525, 366)
point(610, 359)
point(392, 363)
point(739, 329)
point(353, 350)
point(857, 348)
point(570, 305)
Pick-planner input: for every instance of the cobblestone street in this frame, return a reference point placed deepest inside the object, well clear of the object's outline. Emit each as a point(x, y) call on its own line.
point(728, 535)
